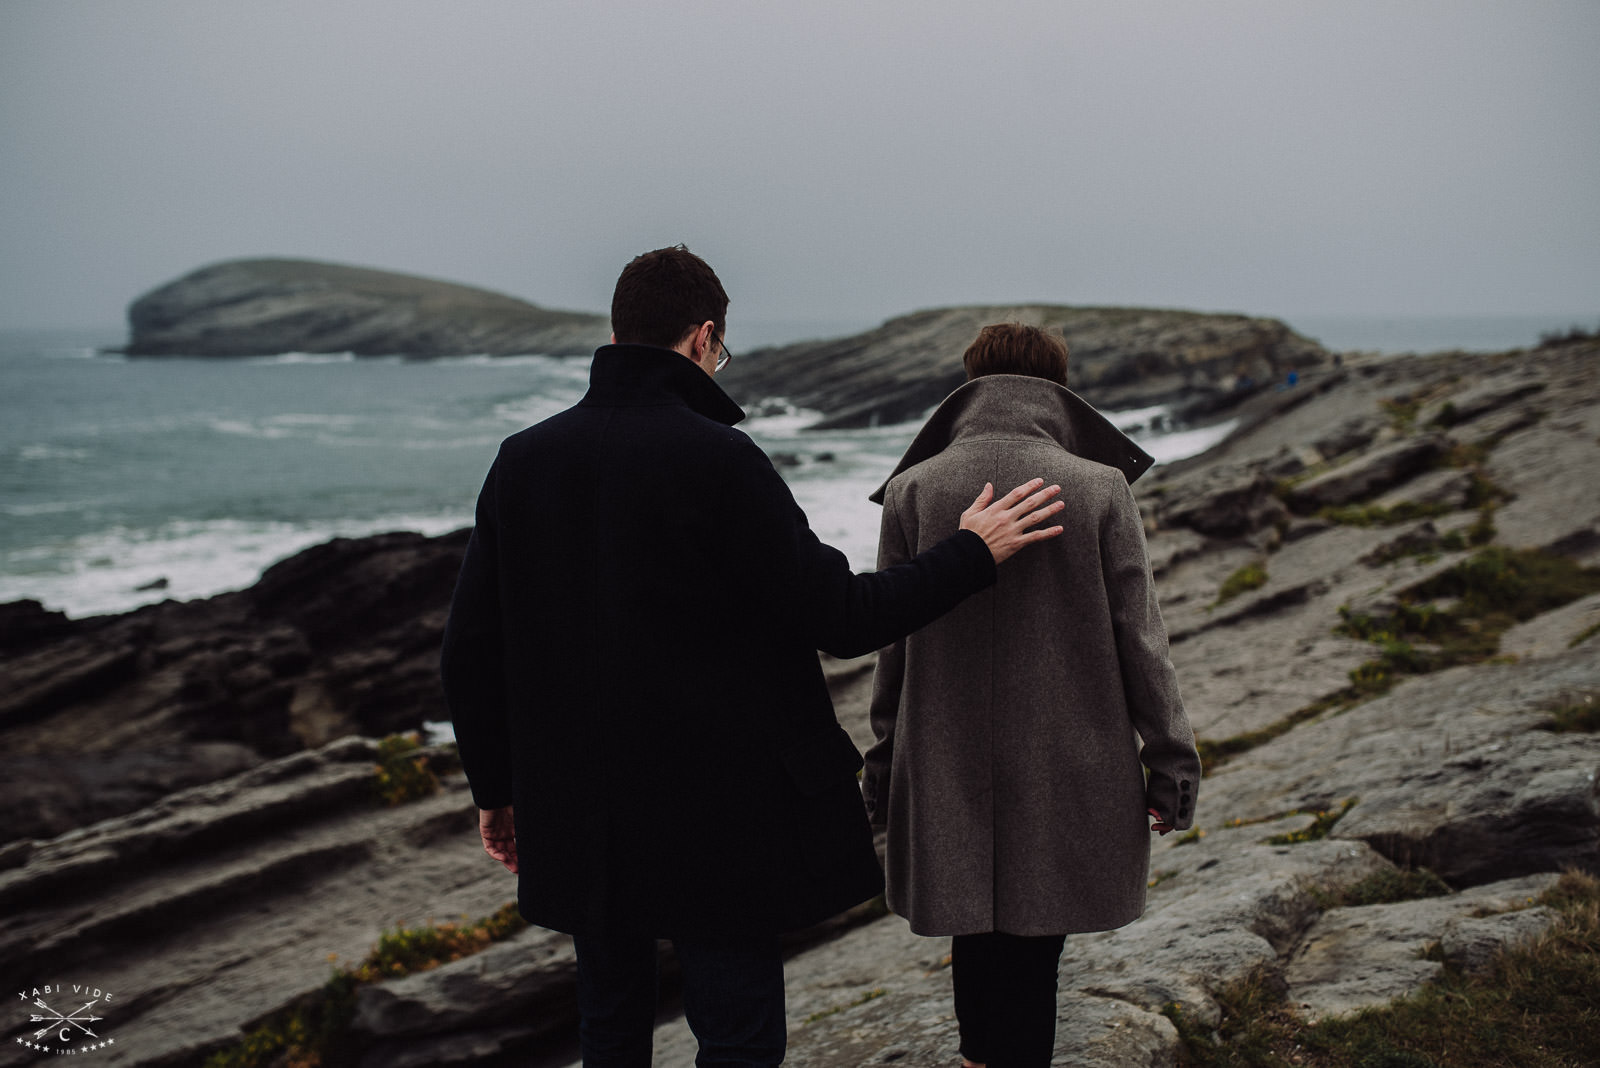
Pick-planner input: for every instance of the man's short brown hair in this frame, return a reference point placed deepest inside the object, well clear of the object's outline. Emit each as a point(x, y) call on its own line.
point(664, 294)
point(1015, 349)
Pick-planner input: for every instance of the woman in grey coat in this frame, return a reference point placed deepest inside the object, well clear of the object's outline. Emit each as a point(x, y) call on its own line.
point(1024, 737)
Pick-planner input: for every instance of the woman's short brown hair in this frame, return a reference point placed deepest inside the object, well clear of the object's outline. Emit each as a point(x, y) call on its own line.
point(1015, 349)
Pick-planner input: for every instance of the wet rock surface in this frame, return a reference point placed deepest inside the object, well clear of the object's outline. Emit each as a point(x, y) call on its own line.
point(104, 715)
point(285, 858)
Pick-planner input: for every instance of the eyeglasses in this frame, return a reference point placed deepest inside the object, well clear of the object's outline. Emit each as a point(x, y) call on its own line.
point(722, 360)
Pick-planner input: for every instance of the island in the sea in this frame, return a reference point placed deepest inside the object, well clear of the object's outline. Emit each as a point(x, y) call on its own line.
point(263, 307)
point(1122, 357)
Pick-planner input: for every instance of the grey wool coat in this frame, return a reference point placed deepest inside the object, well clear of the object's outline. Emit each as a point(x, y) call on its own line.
point(1011, 731)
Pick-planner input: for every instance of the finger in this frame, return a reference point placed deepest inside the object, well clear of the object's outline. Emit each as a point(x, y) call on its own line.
point(1036, 500)
point(980, 502)
point(1042, 514)
point(1010, 500)
point(1031, 536)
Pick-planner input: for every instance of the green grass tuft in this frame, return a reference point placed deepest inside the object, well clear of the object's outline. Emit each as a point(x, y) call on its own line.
point(1247, 578)
point(1372, 515)
point(1402, 412)
point(1588, 632)
point(1581, 715)
point(1494, 589)
point(870, 995)
point(1382, 888)
point(403, 773)
point(1319, 828)
point(314, 1030)
point(1537, 1007)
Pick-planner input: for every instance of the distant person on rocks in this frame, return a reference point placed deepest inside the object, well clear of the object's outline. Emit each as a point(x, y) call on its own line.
point(630, 662)
point(1007, 770)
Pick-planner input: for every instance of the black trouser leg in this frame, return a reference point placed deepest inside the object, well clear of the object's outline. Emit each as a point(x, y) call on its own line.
point(1005, 997)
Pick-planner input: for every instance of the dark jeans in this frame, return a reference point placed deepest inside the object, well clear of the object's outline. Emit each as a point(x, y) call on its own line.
point(732, 1000)
point(1005, 994)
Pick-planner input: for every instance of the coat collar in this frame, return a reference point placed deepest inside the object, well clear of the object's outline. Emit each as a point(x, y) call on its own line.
point(1021, 406)
point(637, 376)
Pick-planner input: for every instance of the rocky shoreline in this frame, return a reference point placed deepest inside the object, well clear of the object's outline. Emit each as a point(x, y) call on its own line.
point(1384, 602)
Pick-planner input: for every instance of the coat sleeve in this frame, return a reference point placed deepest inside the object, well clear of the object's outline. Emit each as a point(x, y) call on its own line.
point(470, 663)
point(887, 681)
point(1149, 682)
point(810, 585)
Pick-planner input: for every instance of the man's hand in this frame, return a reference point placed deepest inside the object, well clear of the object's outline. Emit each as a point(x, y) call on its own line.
point(1160, 826)
point(1003, 524)
point(499, 833)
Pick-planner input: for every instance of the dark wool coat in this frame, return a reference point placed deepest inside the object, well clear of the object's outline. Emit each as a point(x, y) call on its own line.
point(1007, 768)
point(631, 660)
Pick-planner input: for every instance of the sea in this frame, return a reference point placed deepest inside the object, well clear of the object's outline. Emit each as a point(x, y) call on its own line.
point(129, 481)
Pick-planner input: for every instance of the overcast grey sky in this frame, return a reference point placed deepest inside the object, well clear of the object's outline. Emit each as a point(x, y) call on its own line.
point(834, 159)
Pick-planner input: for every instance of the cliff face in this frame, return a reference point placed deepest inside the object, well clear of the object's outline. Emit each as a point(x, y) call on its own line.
point(1121, 358)
point(267, 306)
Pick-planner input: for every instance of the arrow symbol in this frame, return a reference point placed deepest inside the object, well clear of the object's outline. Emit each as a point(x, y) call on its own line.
point(56, 1018)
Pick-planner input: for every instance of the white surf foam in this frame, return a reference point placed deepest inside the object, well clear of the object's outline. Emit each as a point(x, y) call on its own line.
point(102, 572)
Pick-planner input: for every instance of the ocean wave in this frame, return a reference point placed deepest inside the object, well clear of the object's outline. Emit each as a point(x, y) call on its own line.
point(103, 572)
point(532, 359)
point(51, 452)
point(48, 507)
point(1182, 444)
point(788, 422)
point(288, 424)
point(291, 358)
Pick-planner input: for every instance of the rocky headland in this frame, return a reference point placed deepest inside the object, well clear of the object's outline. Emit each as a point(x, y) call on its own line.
point(1383, 592)
point(1121, 358)
point(262, 307)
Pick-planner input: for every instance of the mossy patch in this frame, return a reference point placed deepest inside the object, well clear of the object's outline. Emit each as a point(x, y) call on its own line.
point(1584, 635)
point(1249, 577)
point(1402, 412)
point(1493, 589)
point(314, 1030)
point(403, 773)
point(1581, 715)
point(1537, 1007)
point(1318, 828)
point(1372, 515)
point(870, 995)
point(1382, 888)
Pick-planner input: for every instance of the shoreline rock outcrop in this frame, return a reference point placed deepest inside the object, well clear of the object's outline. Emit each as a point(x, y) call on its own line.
point(1121, 358)
point(104, 715)
point(263, 307)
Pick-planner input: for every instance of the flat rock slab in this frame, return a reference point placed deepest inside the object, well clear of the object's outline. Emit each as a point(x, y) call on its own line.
point(508, 996)
point(1555, 632)
point(1369, 474)
point(1443, 764)
point(217, 907)
point(1470, 403)
point(1358, 958)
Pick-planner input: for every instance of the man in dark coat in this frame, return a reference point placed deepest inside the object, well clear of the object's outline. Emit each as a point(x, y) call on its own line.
point(631, 667)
